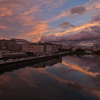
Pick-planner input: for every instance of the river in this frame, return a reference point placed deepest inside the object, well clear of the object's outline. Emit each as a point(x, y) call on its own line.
point(64, 78)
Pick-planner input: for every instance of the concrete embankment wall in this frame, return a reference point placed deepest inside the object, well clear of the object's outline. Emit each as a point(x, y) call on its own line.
point(6, 56)
point(28, 61)
point(23, 62)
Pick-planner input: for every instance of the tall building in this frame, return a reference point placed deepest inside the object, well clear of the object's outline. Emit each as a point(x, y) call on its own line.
point(96, 47)
point(5, 44)
point(69, 46)
point(52, 48)
point(13, 45)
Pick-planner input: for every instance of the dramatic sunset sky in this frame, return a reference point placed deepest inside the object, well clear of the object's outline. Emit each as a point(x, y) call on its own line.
point(66, 21)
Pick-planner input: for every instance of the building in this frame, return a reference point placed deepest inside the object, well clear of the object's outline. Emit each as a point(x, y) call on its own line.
point(35, 48)
point(69, 46)
point(84, 48)
point(21, 41)
point(0, 54)
point(96, 47)
point(73, 48)
point(50, 48)
point(4, 44)
point(41, 48)
point(13, 45)
point(47, 48)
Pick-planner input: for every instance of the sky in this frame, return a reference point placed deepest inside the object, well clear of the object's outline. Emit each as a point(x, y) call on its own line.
point(63, 21)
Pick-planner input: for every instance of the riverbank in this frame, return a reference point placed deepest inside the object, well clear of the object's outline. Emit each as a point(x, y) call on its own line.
point(31, 60)
point(6, 56)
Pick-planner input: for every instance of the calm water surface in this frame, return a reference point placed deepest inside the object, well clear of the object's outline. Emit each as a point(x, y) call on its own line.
point(66, 78)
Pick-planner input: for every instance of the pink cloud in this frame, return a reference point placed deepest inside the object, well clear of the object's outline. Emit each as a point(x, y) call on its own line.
point(8, 8)
point(4, 27)
point(6, 2)
point(37, 31)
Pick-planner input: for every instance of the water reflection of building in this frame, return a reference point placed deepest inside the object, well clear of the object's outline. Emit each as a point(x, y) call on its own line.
point(47, 63)
point(97, 57)
point(37, 65)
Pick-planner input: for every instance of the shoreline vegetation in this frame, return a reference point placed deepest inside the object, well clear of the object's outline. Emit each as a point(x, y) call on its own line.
point(78, 52)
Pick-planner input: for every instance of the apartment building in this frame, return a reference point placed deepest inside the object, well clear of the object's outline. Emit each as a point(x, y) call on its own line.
point(41, 48)
point(35, 48)
point(50, 48)
point(96, 47)
point(0, 54)
point(13, 45)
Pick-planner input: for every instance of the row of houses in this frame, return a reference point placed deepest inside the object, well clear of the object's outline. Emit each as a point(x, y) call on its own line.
point(21, 45)
point(41, 48)
point(95, 47)
point(70, 47)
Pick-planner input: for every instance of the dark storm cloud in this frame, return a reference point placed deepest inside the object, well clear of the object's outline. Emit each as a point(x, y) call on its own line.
point(96, 18)
point(81, 36)
point(95, 29)
point(78, 10)
point(75, 86)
